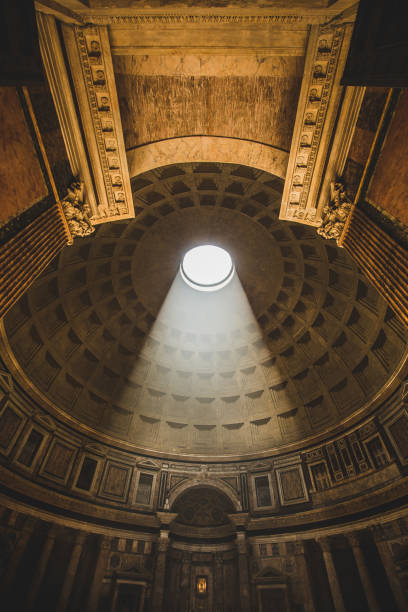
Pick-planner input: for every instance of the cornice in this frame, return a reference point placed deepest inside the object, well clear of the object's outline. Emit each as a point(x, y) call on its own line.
point(185, 19)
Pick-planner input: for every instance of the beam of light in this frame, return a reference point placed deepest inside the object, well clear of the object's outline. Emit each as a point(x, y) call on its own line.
point(195, 369)
point(207, 268)
point(211, 313)
point(190, 325)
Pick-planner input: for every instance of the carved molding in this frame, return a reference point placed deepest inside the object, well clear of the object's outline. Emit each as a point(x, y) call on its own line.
point(57, 76)
point(90, 58)
point(317, 109)
point(77, 211)
point(342, 139)
point(174, 19)
point(336, 213)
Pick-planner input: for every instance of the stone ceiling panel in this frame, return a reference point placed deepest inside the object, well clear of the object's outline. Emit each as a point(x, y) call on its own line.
point(248, 97)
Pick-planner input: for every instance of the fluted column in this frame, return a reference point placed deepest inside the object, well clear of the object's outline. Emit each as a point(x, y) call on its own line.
point(389, 566)
point(41, 567)
point(18, 552)
point(363, 571)
point(332, 575)
point(99, 572)
point(24, 256)
point(160, 571)
point(308, 603)
point(71, 571)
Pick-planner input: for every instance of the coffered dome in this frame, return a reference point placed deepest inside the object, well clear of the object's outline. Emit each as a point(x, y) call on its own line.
point(112, 339)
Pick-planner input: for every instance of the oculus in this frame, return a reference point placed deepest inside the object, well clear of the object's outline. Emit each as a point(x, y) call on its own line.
point(207, 268)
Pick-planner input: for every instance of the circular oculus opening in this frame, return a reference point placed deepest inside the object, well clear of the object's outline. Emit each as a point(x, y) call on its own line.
point(207, 268)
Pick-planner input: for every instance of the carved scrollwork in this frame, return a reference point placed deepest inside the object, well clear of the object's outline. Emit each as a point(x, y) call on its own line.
point(335, 214)
point(77, 211)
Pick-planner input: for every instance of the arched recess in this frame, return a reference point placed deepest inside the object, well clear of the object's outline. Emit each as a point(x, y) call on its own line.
point(207, 149)
point(194, 483)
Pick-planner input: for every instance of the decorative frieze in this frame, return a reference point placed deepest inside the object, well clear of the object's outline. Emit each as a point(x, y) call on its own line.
point(318, 103)
point(174, 19)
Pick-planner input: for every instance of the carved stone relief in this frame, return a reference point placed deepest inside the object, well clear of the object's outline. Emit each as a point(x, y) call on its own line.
point(77, 211)
point(316, 111)
point(335, 214)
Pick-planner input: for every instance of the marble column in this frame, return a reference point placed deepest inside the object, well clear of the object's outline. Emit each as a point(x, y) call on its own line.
point(240, 520)
point(18, 552)
point(160, 571)
point(332, 575)
point(99, 572)
point(308, 602)
point(243, 570)
point(115, 593)
point(41, 566)
point(218, 582)
point(389, 567)
point(184, 595)
point(165, 519)
point(71, 571)
point(142, 598)
point(354, 542)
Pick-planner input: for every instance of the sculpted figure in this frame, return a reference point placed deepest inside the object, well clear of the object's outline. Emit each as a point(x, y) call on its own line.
point(76, 211)
point(335, 214)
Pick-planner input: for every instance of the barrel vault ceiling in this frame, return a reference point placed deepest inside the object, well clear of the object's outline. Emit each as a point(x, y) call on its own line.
point(161, 82)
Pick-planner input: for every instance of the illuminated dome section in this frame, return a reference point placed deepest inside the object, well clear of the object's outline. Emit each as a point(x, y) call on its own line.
point(207, 268)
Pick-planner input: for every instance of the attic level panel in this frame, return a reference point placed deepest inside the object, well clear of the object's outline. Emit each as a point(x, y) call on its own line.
point(224, 38)
point(252, 97)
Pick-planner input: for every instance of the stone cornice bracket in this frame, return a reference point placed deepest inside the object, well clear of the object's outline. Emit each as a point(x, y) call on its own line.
point(319, 99)
point(90, 59)
point(347, 16)
point(58, 10)
point(336, 213)
point(77, 211)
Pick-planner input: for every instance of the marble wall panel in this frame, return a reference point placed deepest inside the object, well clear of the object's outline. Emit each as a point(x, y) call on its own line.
point(21, 179)
point(389, 185)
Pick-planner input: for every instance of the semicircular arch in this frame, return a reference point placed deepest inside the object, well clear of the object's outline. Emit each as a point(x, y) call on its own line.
point(195, 483)
point(207, 149)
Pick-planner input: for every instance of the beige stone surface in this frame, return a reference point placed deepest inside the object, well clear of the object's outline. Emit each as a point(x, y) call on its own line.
point(207, 149)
